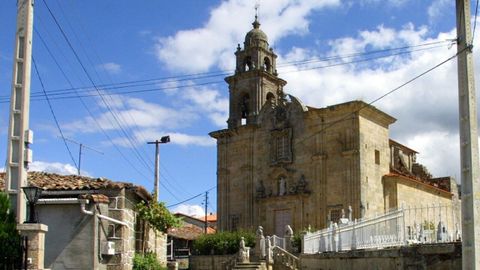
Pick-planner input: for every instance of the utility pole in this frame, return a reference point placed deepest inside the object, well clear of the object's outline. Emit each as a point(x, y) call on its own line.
point(81, 145)
point(206, 211)
point(164, 139)
point(19, 154)
point(468, 140)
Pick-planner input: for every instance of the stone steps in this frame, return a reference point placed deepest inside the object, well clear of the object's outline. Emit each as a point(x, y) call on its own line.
point(248, 266)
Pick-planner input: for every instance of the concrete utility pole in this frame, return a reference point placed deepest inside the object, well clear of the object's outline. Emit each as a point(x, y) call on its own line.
point(19, 136)
point(164, 139)
point(468, 141)
point(206, 211)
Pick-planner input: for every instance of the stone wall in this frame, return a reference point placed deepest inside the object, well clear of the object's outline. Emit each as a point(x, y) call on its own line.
point(212, 262)
point(428, 257)
point(124, 237)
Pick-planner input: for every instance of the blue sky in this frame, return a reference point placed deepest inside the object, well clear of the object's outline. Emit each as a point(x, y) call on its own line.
point(119, 41)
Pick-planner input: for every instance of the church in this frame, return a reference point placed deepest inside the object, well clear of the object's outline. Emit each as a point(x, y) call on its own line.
point(281, 162)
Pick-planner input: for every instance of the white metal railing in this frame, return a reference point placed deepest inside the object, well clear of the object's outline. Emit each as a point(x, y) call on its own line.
point(170, 253)
point(427, 224)
point(278, 241)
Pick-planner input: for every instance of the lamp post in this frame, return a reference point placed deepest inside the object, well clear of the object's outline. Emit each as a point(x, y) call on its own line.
point(33, 194)
point(164, 139)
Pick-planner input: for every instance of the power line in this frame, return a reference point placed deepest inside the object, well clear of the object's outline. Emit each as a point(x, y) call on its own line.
point(347, 116)
point(53, 113)
point(475, 22)
point(191, 198)
point(204, 75)
point(115, 116)
point(88, 109)
point(68, 96)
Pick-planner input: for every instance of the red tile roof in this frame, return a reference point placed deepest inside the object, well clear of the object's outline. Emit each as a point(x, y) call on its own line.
point(57, 182)
point(189, 231)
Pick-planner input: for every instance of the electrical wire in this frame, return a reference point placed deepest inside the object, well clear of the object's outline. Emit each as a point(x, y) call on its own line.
point(205, 75)
point(349, 115)
point(87, 107)
point(68, 96)
point(191, 198)
point(107, 105)
point(475, 22)
point(53, 113)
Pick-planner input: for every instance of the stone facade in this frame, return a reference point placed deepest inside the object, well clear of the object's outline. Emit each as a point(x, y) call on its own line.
point(280, 162)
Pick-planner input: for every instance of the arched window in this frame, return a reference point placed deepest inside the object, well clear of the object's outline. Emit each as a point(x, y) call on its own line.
point(267, 65)
point(247, 63)
point(244, 105)
point(270, 97)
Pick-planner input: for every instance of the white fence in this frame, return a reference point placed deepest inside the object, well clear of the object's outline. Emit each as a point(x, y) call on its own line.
point(429, 224)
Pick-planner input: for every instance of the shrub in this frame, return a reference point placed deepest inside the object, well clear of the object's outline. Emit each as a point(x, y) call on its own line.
point(148, 261)
point(9, 237)
point(222, 243)
point(157, 215)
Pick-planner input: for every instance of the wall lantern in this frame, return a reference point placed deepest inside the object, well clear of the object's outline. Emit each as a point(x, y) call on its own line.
point(33, 194)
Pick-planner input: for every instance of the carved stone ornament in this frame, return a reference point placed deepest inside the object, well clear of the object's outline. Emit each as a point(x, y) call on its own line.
point(261, 190)
point(280, 119)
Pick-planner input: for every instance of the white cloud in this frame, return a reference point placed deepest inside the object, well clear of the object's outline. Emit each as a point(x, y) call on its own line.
point(175, 138)
point(213, 44)
point(439, 8)
point(190, 210)
point(209, 101)
point(111, 67)
point(134, 112)
point(54, 167)
point(439, 151)
point(426, 109)
point(395, 3)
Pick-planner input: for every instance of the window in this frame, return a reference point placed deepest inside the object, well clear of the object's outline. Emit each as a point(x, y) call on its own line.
point(266, 65)
point(247, 63)
point(281, 146)
point(270, 97)
point(377, 157)
point(244, 105)
point(335, 215)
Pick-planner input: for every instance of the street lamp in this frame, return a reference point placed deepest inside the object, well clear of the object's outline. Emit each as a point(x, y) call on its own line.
point(164, 139)
point(33, 194)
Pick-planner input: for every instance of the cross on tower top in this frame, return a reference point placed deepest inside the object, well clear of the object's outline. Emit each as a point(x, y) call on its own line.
point(257, 6)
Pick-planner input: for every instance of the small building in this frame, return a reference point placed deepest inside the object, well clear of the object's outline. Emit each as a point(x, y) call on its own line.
point(92, 222)
point(182, 238)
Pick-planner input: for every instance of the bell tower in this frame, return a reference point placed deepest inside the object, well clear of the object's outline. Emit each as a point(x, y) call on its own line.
point(255, 81)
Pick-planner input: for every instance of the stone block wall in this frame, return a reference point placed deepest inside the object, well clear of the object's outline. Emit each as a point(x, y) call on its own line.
point(212, 262)
point(122, 236)
point(428, 257)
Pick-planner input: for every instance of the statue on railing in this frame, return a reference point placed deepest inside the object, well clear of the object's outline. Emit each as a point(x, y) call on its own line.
point(260, 243)
point(288, 238)
point(244, 252)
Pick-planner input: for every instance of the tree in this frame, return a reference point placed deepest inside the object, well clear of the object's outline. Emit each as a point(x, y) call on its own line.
point(9, 237)
point(157, 215)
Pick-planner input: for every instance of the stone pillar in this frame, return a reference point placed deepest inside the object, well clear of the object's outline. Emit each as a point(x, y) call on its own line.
point(36, 243)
